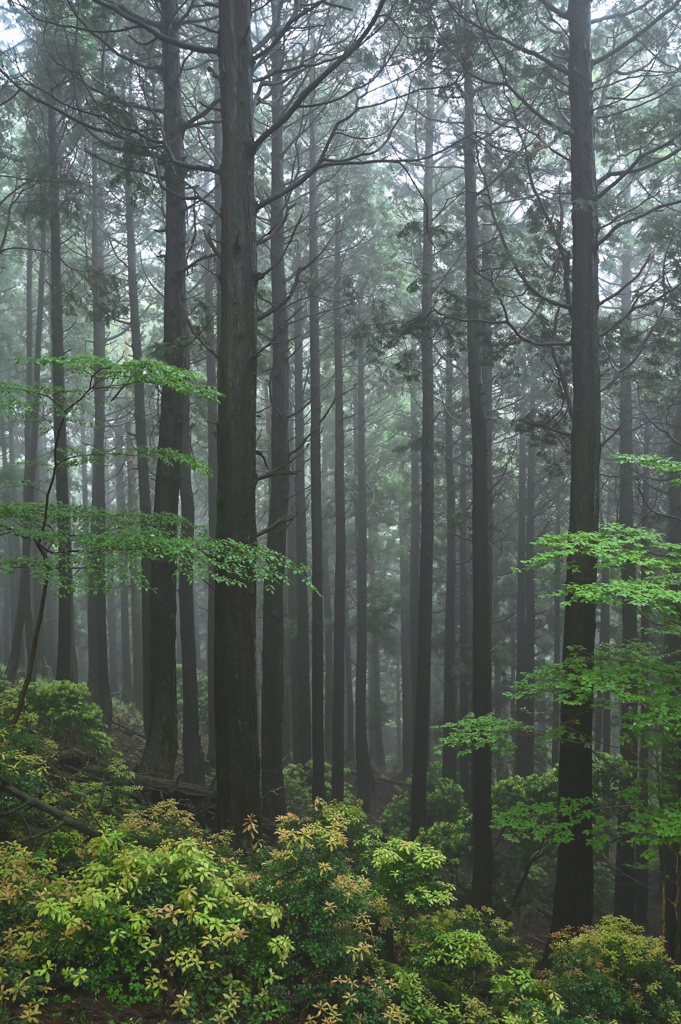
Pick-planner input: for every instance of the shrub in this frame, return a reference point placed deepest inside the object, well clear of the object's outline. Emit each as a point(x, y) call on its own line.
point(614, 971)
point(61, 752)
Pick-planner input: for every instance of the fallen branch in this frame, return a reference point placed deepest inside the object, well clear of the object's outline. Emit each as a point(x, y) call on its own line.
point(40, 805)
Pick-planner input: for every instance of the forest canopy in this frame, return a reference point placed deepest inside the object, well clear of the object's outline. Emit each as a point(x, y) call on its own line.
point(340, 510)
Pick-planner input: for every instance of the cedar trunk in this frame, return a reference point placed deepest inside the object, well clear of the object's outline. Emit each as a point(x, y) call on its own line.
point(161, 748)
point(365, 774)
point(573, 898)
point(339, 624)
point(237, 755)
point(316, 529)
point(272, 711)
point(481, 760)
point(97, 641)
point(425, 576)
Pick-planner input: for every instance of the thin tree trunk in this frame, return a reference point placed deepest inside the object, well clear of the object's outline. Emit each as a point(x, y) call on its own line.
point(524, 761)
point(236, 720)
point(481, 760)
point(627, 872)
point(573, 898)
point(65, 667)
point(212, 419)
point(421, 754)
point(300, 682)
point(316, 530)
point(124, 592)
point(450, 702)
point(405, 648)
point(97, 636)
point(349, 698)
point(464, 763)
point(192, 752)
point(414, 546)
point(365, 775)
point(376, 746)
point(141, 599)
point(339, 624)
point(272, 712)
point(23, 619)
point(161, 747)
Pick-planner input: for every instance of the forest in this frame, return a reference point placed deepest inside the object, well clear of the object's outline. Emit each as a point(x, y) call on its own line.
point(340, 511)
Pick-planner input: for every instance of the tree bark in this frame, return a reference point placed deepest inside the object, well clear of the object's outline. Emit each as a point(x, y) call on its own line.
point(421, 754)
point(124, 591)
point(628, 874)
point(481, 760)
point(272, 712)
point(450, 702)
point(525, 642)
point(142, 598)
point(405, 648)
point(192, 751)
point(65, 667)
point(339, 624)
point(414, 548)
point(573, 898)
point(97, 637)
point(316, 530)
point(300, 683)
point(161, 748)
point(23, 619)
point(376, 746)
point(365, 774)
point(236, 720)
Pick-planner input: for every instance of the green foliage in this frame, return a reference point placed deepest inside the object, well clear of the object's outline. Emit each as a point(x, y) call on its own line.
point(61, 753)
point(615, 972)
point(332, 924)
point(406, 872)
point(444, 803)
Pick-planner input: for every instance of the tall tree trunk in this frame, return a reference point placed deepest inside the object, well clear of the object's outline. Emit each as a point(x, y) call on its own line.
point(464, 763)
point(300, 682)
point(481, 760)
point(23, 619)
point(272, 712)
point(557, 645)
point(65, 667)
point(414, 555)
point(405, 648)
point(161, 747)
point(670, 852)
point(525, 654)
point(365, 774)
point(339, 624)
point(142, 597)
point(97, 638)
point(236, 719)
point(628, 875)
point(316, 529)
point(349, 697)
point(450, 682)
point(573, 898)
point(212, 420)
point(375, 715)
point(124, 591)
point(421, 753)
point(192, 752)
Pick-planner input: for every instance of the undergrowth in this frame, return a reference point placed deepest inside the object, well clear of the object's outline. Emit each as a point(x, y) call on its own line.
point(334, 922)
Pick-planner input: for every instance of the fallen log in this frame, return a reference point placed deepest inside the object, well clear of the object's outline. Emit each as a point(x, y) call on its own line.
point(54, 812)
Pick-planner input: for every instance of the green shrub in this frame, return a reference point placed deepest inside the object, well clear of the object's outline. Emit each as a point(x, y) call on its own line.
point(61, 752)
point(614, 971)
point(444, 803)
